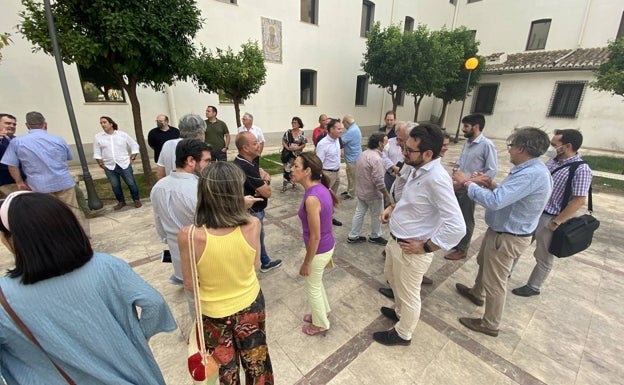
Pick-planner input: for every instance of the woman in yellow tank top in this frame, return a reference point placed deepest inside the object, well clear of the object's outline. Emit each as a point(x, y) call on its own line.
point(227, 253)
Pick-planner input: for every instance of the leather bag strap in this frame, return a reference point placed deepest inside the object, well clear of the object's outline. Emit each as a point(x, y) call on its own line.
point(30, 336)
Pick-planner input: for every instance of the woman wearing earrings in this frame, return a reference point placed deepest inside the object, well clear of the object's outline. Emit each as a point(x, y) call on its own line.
point(315, 213)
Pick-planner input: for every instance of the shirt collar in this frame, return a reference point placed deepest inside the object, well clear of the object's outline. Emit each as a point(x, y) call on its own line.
point(524, 165)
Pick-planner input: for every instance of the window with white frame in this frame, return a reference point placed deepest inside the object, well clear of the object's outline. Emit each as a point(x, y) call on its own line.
point(538, 34)
point(566, 99)
point(309, 11)
point(485, 98)
point(368, 17)
point(308, 87)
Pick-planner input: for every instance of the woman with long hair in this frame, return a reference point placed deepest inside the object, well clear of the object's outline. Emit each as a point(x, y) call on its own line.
point(293, 143)
point(81, 306)
point(227, 253)
point(315, 213)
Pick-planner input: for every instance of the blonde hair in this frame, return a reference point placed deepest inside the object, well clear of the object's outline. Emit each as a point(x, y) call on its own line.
point(220, 197)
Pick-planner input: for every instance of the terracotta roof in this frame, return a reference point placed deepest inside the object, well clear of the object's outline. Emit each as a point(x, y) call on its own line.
point(542, 61)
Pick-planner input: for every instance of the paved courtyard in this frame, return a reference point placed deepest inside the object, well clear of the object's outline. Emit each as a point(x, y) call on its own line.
point(570, 334)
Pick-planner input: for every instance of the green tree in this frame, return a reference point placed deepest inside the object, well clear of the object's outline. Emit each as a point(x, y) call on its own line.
point(462, 41)
point(384, 60)
point(4, 41)
point(236, 75)
point(610, 74)
point(426, 56)
point(137, 42)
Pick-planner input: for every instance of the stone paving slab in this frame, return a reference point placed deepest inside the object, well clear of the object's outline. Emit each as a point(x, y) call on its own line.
point(570, 334)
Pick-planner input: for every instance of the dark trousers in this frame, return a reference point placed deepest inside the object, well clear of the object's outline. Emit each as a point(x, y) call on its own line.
point(115, 176)
point(467, 207)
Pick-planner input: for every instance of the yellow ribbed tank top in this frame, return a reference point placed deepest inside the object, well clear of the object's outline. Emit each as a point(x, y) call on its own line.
point(226, 274)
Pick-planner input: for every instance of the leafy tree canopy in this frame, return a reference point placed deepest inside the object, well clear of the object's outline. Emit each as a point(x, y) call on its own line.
point(236, 75)
point(146, 42)
point(610, 74)
point(4, 41)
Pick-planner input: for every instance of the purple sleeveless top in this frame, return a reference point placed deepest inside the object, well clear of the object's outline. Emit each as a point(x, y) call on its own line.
point(327, 208)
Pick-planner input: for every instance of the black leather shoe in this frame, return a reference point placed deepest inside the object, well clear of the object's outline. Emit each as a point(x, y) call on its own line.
point(476, 324)
point(336, 222)
point(389, 313)
point(387, 292)
point(525, 291)
point(427, 281)
point(390, 338)
point(465, 292)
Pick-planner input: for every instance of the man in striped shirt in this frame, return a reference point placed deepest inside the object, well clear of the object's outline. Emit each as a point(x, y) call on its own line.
point(563, 150)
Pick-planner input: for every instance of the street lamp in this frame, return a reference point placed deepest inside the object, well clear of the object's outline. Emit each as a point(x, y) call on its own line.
point(470, 65)
point(94, 201)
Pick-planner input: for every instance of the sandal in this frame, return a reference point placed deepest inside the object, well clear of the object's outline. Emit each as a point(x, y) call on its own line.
point(294, 186)
point(283, 189)
point(308, 317)
point(312, 330)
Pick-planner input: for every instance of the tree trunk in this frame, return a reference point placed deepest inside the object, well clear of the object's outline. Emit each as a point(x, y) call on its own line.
point(394, 96)
point(443, 113)
point(138, 130)
point(417, 100)
point(237, 111)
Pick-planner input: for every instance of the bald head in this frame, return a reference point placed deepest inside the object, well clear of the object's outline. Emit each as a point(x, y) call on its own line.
point(348, 121)
point(243, 139)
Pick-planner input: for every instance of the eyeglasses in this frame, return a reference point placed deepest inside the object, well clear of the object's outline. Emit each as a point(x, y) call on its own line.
point(409, 151)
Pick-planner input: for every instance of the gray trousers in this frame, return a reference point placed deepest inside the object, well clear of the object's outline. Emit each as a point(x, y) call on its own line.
point(544, 259)
point(467, 207)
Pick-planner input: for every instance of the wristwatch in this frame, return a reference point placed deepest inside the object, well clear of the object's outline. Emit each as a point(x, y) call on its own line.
point(426, 247)
point(555, 222)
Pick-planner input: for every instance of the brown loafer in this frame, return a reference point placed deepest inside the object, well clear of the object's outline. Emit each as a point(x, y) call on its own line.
point(119, 205)
point(455, 255)
point(476, 324)
point(138, 204)
point(464, 291)
point(426, 280)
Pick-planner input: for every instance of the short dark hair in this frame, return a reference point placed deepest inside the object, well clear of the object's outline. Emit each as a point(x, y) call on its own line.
point(431, 138)
point(313, 162)
point(48, 240)
point(375, 139)
point(574, 137)
point(2, 115)
point(533, 140)
point(111, 121)
point(190, 147)
point(332, 122)
point(390, 113)
point(473, 119)
point(213, 108)
point(298, 119)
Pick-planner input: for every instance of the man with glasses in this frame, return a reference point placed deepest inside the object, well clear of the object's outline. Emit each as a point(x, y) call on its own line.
point(563, 151)
point(426, 218)
point(328, 151)
point(174, 197)
point(163, 132)
point(512, 211)
point(191, 127)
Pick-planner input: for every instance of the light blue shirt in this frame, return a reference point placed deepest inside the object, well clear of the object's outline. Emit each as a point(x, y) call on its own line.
point(516, 203)
point(352, 140)
point(478, 156)
point(43, 158)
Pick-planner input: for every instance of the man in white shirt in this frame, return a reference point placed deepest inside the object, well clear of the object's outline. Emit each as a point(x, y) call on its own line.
point(248, 126)
point(392, 155)
point(425, 219)
point(328, 151)
point(175, 196)
point(114, 151)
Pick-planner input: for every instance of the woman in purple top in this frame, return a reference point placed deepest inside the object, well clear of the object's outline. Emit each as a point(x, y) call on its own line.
point(315, 213)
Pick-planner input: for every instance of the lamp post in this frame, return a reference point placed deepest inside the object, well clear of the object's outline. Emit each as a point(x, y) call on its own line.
point(94, 201)
point(470, 65)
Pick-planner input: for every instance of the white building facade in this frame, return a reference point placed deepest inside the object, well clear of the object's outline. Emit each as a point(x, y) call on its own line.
point(319, 49)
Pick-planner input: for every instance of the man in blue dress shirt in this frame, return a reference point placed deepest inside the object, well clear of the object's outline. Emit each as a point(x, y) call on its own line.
point(512, 211)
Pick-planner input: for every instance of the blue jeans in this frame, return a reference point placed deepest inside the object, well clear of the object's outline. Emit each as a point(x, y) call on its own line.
point(264, 257)
point(114, 177)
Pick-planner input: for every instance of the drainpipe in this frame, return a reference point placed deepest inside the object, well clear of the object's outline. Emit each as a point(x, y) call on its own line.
point(173, 112)
point(582, 31)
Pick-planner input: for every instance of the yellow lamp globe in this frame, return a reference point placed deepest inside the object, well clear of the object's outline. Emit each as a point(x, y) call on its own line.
point(471, 63)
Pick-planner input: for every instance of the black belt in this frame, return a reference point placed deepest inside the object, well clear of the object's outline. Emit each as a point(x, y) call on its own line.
point(397, 239)
point(547, 213)
point(515, 235)
point(331, 170)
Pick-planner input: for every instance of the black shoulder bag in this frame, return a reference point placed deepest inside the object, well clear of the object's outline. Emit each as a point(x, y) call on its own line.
point(286, 153)
point(575, 234)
